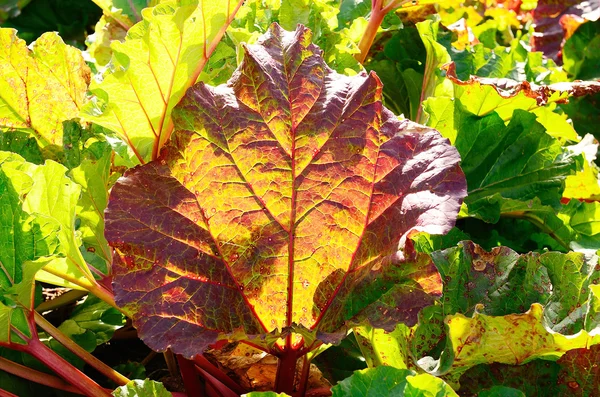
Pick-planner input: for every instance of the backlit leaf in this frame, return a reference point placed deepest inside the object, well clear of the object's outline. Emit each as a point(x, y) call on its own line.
point(161, 57)
point(40, 88)
point(281, 201)
point(26, 244)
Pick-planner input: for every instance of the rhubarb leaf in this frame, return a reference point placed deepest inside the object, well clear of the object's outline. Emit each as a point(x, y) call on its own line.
point(40, 88)
point(580, 373)
point(393, 382)
point(285, 193)
point(119, 16)
point(512, 339)
point(161, 57)
point(142, 388)
point(503, 282)
point(536, 378)
point(27, 242)
point(54, 195)
point(93, 177)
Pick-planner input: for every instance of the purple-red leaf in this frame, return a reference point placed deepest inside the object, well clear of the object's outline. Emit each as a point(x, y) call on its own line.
point(283, 195)
point(556, 20)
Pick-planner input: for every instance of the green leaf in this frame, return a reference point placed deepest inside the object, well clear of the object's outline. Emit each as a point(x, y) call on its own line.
point(40, 88)
point(161, 57)
point(27, 242)
point(386, 381)
point(434, 83)
point(385, 348)
point(93, 176)
point(23, 144)
point(511, 339)
point(581, 52)
point(56, 196)
point(536, 378)
point(142, 388)
point(501, 391)
point(503, 282)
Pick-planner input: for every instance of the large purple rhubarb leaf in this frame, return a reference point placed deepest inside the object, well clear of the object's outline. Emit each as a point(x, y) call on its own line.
point(281, 201)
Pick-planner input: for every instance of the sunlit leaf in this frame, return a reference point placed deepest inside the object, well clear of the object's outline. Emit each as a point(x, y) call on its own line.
point(40, 88)
point(285, 196)
point(393, 382)
point(161, 57)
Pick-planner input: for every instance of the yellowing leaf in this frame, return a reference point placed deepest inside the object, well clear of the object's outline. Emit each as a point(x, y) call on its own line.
point(511, 339)
point(161, 57)
point(42, 87)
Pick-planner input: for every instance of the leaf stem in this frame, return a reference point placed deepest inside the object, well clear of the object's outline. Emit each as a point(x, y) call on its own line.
point(213, 386)
point(90, 285)
point(538, 222)
point(36, 376)
point(191, 382)
point(370, 31)
point(4, 393)
point(64, 369)
point(207, 366)
point(304, 375)
point(286, 371)
point(378, 11)
point(79, 351)
point(62, 300)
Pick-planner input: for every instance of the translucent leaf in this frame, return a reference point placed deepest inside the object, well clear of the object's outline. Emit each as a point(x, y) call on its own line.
point(41, 87)
point(161, 57)
point(285, 193)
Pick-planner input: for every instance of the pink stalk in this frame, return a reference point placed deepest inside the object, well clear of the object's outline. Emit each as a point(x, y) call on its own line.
point(191, 382)
point(378, 12)
point(207, 366)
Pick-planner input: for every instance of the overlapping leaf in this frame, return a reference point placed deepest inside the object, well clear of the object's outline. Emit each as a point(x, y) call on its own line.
point(503, 282)
point(119, 16)
point(553, 23)
point(40, 88)
point(512, 339)
point(27, 242)
point(161, 57)
point(282, 200)
point(390, 381)
point(580, 374)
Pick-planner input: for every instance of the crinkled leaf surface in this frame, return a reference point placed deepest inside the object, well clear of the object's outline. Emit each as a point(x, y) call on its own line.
point(502, 282)
point(161, 57)
point(40, 88)
point(281, 200)
point(389, 381)
point(512, 339)
point(55, 195)
point(142, 388)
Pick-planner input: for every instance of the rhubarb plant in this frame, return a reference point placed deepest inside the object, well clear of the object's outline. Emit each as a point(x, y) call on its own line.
point(293, 197)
